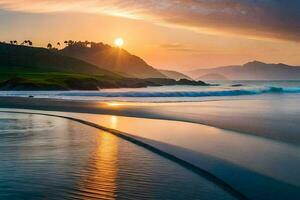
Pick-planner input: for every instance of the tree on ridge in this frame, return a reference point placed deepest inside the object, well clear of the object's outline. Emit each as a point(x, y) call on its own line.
point(49, 46)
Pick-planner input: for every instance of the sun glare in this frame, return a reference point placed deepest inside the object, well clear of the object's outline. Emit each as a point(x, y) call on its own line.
point(114, 104)
point(119, 42)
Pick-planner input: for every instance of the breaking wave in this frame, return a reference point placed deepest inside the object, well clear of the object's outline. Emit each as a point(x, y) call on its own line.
point(140, 94)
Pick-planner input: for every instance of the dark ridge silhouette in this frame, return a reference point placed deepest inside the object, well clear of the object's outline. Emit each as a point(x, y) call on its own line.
point(174, 74)
point(33, 59)
point(31, 68)
point(254, 70)
point(110, 58)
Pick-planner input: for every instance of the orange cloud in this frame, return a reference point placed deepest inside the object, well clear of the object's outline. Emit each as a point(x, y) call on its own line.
point(260, 19)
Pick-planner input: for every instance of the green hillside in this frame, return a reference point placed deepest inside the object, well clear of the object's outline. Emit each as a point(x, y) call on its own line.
point(17, 58)
point(31, 68)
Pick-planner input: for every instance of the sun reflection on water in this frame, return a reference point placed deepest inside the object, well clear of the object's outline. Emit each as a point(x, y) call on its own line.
point(114, 104)
point(99, 177)
point(114, 122)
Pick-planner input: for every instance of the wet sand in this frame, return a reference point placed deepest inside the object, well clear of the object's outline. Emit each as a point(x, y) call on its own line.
point(253, 166)
point(257, 154)
point(44, 157)
point(265, 117)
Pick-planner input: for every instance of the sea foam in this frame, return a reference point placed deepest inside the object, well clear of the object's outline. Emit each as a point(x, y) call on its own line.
point(207, 93)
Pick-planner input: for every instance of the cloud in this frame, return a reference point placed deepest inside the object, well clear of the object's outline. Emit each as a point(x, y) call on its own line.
point(272, 19)
point(177, 47)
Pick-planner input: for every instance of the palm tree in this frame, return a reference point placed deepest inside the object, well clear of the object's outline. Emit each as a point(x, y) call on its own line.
point(29, 42)
point(87, 43)
point(11, 42)
point(49, 46)
point(24, 42)
point(58, 44)
point(15, 42)
point(71, 42)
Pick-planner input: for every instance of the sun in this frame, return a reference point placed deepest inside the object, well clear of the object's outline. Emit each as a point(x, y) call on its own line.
point(119, 42)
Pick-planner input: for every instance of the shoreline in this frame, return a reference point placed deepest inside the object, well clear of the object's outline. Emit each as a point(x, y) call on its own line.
point(126, 136)
point(235, 115)
point(206, 149)
point(237, 141)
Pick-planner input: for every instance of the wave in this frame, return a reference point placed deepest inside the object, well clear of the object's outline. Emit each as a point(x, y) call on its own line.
point(144, 94)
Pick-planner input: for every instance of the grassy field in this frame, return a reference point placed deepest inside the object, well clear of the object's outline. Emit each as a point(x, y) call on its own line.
point(63, 81)
point(72, 81)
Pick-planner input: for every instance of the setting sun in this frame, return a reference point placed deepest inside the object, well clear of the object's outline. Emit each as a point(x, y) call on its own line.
point(119, 42)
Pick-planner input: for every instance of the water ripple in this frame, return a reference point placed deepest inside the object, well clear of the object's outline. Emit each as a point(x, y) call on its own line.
point(60, 159)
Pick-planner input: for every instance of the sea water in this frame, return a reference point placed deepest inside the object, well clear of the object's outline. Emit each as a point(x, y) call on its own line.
point(217, 90)
point(268, 111)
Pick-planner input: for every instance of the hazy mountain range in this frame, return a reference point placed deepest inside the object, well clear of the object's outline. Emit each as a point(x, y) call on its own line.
point(174, 74)
point(90, 66)
point(250, 71)
point(212, 76)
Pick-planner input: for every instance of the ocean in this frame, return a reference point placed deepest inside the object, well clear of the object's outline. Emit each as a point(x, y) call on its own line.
point(245, 133)
point(218, 90)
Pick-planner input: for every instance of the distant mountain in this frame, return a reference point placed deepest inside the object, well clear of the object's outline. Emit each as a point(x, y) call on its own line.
point(32, 59)
point(253, 71)
point(113, 59)
point(212, 76)
point(175, 75)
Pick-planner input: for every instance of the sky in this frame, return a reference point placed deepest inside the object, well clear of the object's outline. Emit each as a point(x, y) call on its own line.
point(168, 34)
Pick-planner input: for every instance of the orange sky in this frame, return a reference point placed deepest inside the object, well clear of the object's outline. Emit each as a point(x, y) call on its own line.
point(166, 35)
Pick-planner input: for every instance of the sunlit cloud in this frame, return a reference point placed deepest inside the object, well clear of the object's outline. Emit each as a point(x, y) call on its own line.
point(178, 47)
point(270, 19)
